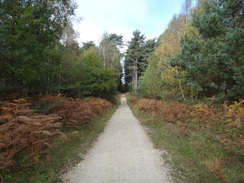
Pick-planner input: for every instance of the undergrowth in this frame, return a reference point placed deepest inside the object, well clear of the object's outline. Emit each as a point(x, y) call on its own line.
point(34, 147)
point(203, 143)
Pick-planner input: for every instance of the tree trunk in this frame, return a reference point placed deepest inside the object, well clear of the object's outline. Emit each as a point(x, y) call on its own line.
point(104, 57)
point(135, 76)
point(181, 90)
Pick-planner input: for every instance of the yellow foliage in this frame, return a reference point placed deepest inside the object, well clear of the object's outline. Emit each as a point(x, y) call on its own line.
point(236, 109)
point(200, 107)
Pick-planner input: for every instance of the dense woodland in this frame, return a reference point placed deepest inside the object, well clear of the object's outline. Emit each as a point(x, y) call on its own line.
point(49, 84)
point(39, 53)
point(199, 55)
point(191, 83)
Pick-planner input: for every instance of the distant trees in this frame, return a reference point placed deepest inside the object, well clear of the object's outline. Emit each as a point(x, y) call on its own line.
point(39, 52)
point(109, 51)
point(200, 54)
point(82, 72)
point(99, 81)
point(150, 85)
point(88, 45)
point(169, 82)
point(136, 57)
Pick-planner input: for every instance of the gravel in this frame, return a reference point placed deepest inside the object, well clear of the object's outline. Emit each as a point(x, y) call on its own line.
point(122, 154)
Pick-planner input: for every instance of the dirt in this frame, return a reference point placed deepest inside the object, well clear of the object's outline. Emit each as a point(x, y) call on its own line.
point(123, 153)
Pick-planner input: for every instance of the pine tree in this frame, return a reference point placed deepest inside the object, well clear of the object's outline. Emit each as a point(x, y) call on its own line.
point(133, 57)
point(136, 57)
point(214, 60)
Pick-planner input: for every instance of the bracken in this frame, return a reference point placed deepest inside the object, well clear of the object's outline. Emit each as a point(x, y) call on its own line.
point(24, 130)
point(193, 117)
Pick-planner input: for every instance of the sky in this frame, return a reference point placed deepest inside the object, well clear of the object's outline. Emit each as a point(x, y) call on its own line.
point(122, 17)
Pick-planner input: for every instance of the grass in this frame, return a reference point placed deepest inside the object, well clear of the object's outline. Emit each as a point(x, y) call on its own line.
point(64, 153)
point(193, 158)
point(44, 108)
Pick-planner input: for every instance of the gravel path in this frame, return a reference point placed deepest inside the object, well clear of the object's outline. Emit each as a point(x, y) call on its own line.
point(122, 154)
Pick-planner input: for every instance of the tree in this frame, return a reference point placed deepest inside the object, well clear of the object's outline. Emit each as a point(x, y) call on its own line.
point(117, 40)
point(109, 52)
point(186, 9)
point(171, 84)
point(147, 49)
point(214, 59)
point(150, 84)
point(98, 80)
point(133, 58)
point(136, 57)
point(69, 35)
point(70, 76)
point(29, 37)
point(88, 45)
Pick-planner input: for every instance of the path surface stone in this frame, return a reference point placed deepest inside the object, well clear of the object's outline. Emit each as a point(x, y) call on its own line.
point(122, 154)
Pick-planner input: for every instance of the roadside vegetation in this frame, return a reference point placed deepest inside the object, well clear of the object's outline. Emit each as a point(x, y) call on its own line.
point(200, 143)
point(35, 147)
point(189, 90)
point(51, 88)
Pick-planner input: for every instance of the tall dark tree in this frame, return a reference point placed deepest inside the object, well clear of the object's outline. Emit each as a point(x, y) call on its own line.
point(136, 57)
point(116, 39)
point(133, 58)
point(147, 49)
point(88, 45)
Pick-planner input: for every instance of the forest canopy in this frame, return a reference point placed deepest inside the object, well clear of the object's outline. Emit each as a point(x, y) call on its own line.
point(200, 54)
point(39, 52)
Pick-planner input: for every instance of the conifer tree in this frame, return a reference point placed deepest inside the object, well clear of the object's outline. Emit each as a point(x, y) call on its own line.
point(136, 57)
point(214, 60)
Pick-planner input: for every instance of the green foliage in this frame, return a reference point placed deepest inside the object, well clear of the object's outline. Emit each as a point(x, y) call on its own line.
point(88, 45)
point(30, 32)
point(109, 52)
point(45, 108)
point(214, 61)
point(136, 57)
point(199, 55)
point(147, 48)
point(99, 81)
point(160, 80)
point(150, 85)
point(70, 76)
point(117, 40)
point(39, 53)
point(83, 73)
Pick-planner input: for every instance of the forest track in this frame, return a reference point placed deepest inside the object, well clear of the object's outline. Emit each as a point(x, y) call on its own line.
point(123, 153)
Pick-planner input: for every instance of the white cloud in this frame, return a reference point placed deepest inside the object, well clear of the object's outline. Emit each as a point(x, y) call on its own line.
point(88, 31)
point(123, 17)
point(108, 15)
